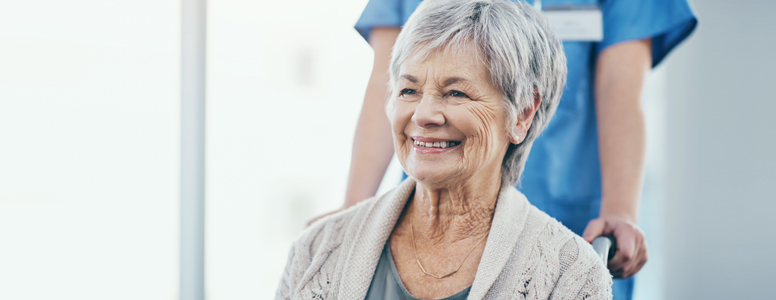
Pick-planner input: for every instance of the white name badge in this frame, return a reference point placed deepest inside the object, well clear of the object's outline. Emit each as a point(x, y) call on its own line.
point(576, 23)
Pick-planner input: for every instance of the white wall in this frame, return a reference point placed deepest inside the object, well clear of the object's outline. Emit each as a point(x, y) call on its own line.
point(89, 149)
point(721, 155)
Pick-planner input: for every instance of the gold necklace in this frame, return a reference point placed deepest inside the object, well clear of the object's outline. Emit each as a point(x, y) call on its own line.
point(412, 230)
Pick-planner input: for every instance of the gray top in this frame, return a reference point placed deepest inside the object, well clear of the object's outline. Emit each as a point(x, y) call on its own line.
point(387, 285)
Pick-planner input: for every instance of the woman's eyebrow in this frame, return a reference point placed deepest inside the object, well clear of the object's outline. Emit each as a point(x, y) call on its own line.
point(411, 78)
point(453, 80)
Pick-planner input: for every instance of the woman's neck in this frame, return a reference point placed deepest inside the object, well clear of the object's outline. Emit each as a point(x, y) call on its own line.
point(450, 214)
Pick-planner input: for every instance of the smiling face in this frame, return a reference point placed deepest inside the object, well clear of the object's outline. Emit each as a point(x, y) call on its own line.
point(448, 120)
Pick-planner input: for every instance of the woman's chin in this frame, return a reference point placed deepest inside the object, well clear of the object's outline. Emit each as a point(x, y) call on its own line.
point(433, 176)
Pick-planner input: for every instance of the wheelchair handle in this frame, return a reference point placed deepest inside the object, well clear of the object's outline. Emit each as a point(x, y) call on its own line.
point(605, 246)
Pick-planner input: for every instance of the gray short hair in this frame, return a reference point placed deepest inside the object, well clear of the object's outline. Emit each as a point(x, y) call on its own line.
point(514, 41)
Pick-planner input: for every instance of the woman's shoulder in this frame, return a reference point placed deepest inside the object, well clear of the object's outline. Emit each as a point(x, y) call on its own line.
point(346, 223)
point(334, 227)
point(320, 256)
point(315, 255)
point(580, 269)
point(582, 272)
point(569, 246)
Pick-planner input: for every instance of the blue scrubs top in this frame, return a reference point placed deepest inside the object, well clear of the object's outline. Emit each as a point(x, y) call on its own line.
point(562, 176)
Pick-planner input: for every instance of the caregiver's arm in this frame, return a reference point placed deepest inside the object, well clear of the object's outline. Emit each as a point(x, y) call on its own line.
point(620, 75)
point(372, 145)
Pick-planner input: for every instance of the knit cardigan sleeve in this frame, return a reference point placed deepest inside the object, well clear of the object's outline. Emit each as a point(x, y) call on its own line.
point(598, 284)
point(586, 277)
point(284, 289)
point(301, 265)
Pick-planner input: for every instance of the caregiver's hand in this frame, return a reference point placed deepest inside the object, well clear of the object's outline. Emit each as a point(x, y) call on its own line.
point(631, 246)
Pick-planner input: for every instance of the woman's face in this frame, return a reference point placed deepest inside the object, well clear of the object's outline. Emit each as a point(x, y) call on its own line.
point(448, 120)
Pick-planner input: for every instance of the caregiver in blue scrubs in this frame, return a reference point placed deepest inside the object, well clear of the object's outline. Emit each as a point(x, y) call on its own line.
point(586, 169)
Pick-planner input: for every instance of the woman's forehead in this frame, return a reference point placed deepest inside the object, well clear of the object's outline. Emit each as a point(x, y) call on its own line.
point(462, 62)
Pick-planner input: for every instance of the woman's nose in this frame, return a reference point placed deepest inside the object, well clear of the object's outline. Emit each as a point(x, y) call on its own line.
point(428, 113)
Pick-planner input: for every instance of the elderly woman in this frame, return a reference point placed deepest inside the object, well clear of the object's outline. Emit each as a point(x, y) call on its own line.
point(473, 83)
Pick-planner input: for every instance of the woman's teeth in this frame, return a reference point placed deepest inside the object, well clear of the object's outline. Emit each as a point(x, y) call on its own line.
point(437, 144)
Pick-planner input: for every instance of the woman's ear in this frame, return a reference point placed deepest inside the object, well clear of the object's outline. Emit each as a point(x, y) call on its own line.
point(525, 117)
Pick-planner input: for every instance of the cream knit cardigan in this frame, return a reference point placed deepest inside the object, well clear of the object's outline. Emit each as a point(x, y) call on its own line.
point(528, 255)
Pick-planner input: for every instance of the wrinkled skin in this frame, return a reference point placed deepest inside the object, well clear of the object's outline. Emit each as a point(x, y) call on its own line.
point(449, 96)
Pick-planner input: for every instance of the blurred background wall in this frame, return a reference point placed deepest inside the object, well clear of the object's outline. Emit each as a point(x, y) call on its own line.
point(89, 137)
point(721, 155)
point(89, 149)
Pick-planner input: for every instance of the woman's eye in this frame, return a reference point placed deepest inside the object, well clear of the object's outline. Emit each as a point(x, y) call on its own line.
point(407, 92)
point(457, 94)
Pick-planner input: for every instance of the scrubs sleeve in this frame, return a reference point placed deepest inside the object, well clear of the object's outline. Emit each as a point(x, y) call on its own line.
point(667, 22)
point(379, 13)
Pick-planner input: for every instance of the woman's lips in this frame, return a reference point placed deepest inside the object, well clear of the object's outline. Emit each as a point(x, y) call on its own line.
point(433, 145)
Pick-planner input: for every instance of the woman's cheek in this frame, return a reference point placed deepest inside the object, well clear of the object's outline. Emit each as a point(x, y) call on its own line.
point(396, 121)
point(481, 123)
point(400, 120)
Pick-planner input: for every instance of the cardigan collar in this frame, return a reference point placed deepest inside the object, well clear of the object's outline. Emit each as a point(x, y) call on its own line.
point(376, 226)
